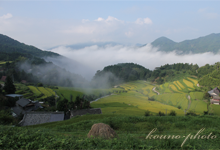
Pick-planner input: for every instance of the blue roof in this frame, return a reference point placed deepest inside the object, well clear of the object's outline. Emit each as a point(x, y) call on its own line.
point(14, 95)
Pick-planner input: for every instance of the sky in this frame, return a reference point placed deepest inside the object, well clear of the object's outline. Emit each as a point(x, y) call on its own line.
point(56, 24)
point(50, 23)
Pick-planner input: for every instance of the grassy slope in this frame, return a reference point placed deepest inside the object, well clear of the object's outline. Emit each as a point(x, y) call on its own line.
point(131, 131)
point(137, 97)
point(176, 94)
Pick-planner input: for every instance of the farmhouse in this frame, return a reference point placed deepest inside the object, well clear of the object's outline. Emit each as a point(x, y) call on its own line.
point(24, 105)
point(3, 78)
point(214, 96)
point(33, 118)
point(23, 81)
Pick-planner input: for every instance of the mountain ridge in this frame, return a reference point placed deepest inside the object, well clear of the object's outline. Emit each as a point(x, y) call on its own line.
point(208, 43)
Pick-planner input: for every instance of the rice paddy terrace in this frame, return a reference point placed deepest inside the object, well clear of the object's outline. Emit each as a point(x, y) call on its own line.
point(180, 96)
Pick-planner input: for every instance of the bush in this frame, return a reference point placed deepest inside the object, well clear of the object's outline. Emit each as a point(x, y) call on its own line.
point(161, 113)
point(147, 113)
point(191, 113)
point(5, 117)
point(179, 107)
point(172, 113)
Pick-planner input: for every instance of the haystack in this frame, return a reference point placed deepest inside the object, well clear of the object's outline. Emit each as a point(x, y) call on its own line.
point(101, 130)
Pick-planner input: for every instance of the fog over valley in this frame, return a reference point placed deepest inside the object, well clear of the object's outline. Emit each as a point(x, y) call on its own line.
point(86, 61)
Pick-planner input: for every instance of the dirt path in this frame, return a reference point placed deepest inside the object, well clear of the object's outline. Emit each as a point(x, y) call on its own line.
point(155, 91)
point(189, 102)
point(100, 98)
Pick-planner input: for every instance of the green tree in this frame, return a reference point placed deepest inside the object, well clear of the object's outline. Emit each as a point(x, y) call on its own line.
point(9, 86)
point(0, 88)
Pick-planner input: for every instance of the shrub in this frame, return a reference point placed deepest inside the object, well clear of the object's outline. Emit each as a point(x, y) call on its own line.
point(147, 113)
point(179, 107)
point(172, 113)
point(191, 113)
point(161, 113)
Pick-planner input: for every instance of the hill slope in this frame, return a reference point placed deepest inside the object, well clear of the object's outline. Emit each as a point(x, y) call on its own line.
point(209, 43)
point(9, 45)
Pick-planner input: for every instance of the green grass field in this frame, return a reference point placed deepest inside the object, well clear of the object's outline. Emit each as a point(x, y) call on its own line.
point(198, 106)
point(66, 92)
point(216, 109)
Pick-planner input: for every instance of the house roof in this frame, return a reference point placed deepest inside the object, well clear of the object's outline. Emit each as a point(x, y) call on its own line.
point(3, 78)
point(216, 90)
point(33, 118)
point(23, 102)
point(212, 93)
point(18, 110)
point(14, 95)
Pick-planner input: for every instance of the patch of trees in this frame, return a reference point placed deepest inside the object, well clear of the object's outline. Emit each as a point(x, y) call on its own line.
point(122, 72)
point(211, 79)
point(79, 103)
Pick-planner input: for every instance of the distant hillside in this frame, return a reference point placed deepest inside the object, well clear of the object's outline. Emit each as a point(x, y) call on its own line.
point(122, 72)
point(9, 46)
point(209, 43)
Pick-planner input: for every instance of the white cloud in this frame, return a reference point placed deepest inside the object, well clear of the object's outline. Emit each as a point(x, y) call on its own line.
point(100, 19)
point(129, 34)
point(142, 21)
point(7, 16)
point(97, 58)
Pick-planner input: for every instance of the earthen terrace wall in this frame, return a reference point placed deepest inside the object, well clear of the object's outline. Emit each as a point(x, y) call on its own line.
point(85, 111)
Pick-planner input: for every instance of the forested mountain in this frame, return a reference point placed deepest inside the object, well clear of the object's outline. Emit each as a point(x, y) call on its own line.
point(10, 48)
point(209, 43)
point(28, 64)
point(122, 72)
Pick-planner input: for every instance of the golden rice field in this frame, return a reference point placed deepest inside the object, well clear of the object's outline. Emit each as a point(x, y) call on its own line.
point(137, 100)
point(193, 80)
point(35, 90)
point(188, 83)
point(174, 88)
point(180, 85)
point(175, 82)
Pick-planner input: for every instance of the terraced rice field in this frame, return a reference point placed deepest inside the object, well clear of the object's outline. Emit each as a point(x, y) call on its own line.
point(173, 87)
point(134, 102)
point(35, 90)
point(196, 95)
point(198, 106)
point(180, 85)
point(45, 91)
point(188, 83)
point(216, 109)
point(174, 99)
point(140, 104)
point(179, 88)
point(193, 80)
point(65, 92)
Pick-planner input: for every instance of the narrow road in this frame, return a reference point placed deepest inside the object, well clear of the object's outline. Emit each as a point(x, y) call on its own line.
point(189, 102)
point(100, 98)
point(155, 91)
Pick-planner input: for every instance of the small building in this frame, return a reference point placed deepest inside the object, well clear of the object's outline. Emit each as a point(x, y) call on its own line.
point(215, 96)
point(23, 81)
point(24, 105)
point(14, 95)
point(3, 78)
point(33, 118)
